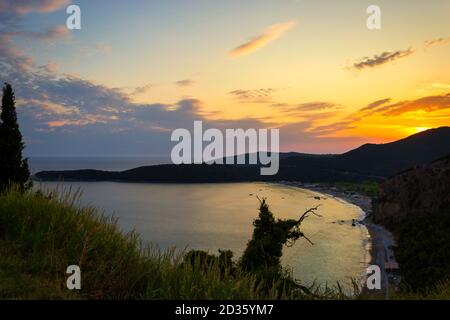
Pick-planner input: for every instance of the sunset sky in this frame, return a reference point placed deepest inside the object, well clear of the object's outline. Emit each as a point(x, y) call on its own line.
point(138, 69)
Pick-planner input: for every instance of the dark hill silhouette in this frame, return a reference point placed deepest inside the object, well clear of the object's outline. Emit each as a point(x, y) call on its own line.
point(387, 159)
point(373, 162)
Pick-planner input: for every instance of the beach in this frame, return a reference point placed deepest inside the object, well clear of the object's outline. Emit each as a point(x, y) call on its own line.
point(380, 241)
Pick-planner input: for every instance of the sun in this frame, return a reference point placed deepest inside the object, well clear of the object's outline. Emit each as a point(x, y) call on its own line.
point(419, 129)
point(413, 130)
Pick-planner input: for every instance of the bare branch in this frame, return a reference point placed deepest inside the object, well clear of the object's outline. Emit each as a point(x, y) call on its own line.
point(312, 243)
point(305, 214)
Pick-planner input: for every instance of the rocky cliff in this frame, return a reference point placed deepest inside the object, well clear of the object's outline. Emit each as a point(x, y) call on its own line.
point(420, 190)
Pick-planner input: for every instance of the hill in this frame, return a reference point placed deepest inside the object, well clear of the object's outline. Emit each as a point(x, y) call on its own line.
point(370, 162)
point(415, 205)
point(421, 190)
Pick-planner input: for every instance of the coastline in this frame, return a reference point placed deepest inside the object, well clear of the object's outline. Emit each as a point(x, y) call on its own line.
point(380, 241)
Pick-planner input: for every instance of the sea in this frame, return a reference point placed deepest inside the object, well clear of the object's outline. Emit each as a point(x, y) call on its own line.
point(217, 216)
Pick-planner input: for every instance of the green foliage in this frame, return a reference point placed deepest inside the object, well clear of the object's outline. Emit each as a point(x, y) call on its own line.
point(423, 250)
point(368, 188)
point(263, 253)
point(265, 249)
point(204, 260)
point(43, 233)
point(13, 169)
point(439, 291)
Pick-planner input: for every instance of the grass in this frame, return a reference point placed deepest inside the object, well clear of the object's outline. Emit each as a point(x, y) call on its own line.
point(367, 188)
point(439, 291)
point(43, 233)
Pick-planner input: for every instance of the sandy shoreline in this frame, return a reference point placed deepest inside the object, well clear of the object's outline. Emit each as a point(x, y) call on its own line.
point(380, 240)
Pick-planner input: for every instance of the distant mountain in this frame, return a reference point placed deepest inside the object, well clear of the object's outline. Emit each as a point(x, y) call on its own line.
point(387, 159)
point(383, 160)
point(373, 162)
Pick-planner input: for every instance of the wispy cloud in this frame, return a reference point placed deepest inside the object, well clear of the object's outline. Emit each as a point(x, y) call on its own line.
point(53, 108)
point(185, 83)
point(82, 121)
point(310, 110)
point(52, 34)
point(315, 106)
point(270, 34)
point(50, 67)
point(13, 58)
point(102, 47)
point(263, 95)
point(375, 105)
point(142, 89)
point(390, 56)
point(380, 59)
point(437, 42)
point(22, 7)
point(426, 104)
point(98, 48)
point(383, 107)
point(11, 16)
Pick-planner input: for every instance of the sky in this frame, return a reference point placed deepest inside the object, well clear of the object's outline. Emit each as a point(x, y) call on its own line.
point(138, 69)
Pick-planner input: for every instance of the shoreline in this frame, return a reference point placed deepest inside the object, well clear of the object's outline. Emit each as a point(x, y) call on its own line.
point(380, 240)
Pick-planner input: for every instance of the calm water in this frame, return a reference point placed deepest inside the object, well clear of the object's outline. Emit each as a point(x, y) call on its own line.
point(213, 216)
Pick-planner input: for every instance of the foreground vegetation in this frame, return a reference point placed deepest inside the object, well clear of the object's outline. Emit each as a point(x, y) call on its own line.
point(423, 249)
point(40, 235)
point(367, 188)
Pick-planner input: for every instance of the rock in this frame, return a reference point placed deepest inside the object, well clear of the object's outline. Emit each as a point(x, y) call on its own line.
point(420, 190)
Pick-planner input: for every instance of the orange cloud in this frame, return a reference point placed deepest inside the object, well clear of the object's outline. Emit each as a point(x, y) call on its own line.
point(185, 83)
point(23, 7)
point(384, 120)
point(86, 120)
point(54, 108)
point(142, 89)
point(436, 42)
point(50, 67)
point(263, 95)
point(270, 34)
point(380, 59)
point(55, 33)
point(427, 104)
point(102, 47)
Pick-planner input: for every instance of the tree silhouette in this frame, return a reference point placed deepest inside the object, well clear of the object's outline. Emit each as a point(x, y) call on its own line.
point(265, 249)
point(13, 169)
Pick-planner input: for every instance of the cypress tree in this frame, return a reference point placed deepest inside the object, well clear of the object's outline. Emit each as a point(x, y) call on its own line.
point(13, 169)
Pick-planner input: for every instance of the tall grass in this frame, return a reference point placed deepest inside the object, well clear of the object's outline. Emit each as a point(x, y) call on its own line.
point(439, 291)
point(42, 233)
